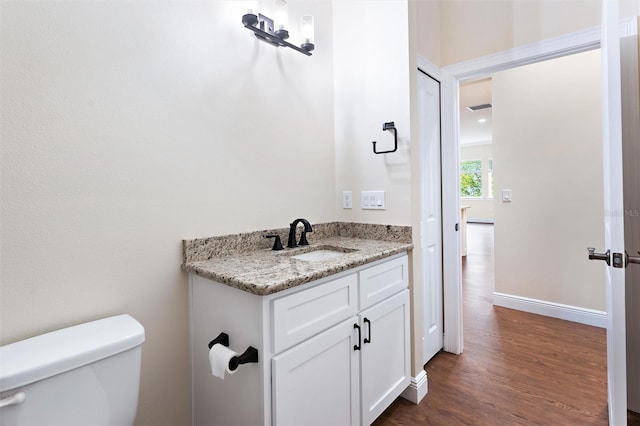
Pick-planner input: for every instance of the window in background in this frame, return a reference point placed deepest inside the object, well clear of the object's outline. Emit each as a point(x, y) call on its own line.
point(471, 178)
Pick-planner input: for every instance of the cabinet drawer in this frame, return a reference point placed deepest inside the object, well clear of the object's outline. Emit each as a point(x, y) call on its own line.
point(302, 315)
point(383, 280)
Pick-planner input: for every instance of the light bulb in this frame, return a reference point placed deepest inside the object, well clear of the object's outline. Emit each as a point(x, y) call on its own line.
point(252, 7)
point(281, 18)
point(307, 30)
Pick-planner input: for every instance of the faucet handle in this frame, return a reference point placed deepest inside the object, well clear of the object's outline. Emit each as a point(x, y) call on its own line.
point(277, 244)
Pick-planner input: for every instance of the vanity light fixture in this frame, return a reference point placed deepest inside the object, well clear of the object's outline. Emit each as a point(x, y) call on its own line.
point(275, 31)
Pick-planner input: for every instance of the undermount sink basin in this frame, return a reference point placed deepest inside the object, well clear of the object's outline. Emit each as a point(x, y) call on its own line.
point(322, 253)
point(314, 256)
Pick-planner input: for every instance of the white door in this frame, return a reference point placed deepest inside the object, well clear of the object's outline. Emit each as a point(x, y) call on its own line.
point(385, 358)
point(431, 211)
point(631, 154)
point(614, 214)
point(317, 381)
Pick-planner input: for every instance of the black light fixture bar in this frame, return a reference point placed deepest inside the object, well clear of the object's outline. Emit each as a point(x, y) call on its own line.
point(250, 22)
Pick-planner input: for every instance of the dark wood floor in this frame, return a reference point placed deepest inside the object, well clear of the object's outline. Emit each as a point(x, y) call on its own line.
point(516, 368)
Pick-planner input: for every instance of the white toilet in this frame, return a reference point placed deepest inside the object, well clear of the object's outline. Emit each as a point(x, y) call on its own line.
point(85, 375)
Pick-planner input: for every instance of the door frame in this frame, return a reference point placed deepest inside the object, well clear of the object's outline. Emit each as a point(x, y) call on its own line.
point(429, 70)
point(452, 75)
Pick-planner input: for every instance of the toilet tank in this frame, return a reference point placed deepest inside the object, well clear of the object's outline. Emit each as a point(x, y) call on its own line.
point(88, 374)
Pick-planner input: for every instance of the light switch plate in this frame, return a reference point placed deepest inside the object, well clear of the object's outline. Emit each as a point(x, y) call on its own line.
point(373, 200)
point(506, 195)
point(347, 199)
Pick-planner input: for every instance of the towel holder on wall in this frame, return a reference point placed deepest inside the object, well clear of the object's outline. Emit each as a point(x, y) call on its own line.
point(388, 126)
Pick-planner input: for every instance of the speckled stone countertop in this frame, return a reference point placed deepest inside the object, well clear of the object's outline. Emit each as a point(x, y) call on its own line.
point(262, 271)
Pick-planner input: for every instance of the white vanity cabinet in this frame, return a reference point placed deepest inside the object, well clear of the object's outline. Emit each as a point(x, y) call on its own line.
point(331, 352)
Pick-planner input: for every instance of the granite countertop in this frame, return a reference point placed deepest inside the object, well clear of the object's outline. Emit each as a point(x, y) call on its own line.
point(264, 271)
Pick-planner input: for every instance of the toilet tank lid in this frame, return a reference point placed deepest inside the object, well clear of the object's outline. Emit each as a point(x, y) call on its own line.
point(46, 355)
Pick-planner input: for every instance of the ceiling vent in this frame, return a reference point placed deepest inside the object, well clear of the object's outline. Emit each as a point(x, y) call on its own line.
point(478, 107)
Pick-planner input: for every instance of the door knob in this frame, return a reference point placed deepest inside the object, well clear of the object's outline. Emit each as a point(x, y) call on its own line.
point(631, 259)
point(599, 256)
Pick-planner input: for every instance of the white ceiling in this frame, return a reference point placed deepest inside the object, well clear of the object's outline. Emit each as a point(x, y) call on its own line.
point(475, 93)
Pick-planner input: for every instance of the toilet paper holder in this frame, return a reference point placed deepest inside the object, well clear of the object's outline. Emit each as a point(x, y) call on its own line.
point(248, 356)
point(223, 339)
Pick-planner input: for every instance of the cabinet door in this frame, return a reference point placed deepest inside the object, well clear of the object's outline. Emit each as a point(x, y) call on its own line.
point(385, 369)
point(316, 382)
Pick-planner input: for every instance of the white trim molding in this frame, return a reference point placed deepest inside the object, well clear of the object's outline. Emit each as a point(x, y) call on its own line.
point(429, 68)
point(451, 261)
point(580, 41)
point(551, 309)
point(417, 389)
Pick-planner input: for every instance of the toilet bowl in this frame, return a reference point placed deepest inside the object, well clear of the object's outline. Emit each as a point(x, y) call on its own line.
point(88, 374)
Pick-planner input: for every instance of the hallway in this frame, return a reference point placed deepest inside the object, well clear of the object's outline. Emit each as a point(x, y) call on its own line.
point(516, 368)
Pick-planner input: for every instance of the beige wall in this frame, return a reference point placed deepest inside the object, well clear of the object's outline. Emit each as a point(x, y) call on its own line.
point(480, 209)
point(547, 149)
point(451, 31)
point(128, 126)
point(425, 20)
point(470, 29)
point(371, 80)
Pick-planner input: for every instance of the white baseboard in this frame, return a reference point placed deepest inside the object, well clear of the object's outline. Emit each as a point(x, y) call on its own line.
point(551, 309)
point(417, 389)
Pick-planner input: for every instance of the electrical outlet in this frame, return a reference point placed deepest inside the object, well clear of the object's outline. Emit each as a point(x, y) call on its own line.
point(347, 199)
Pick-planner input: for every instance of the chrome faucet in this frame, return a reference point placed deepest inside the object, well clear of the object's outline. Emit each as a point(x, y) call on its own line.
point(303, 237)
